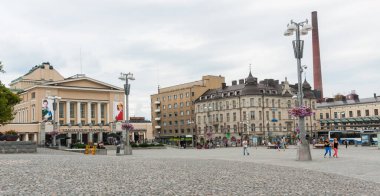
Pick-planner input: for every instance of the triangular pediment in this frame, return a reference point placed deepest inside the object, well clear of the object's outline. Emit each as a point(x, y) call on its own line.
point(84, 82)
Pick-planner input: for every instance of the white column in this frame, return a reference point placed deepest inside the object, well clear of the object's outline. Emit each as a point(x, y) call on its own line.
point(88, 112)
point(99, 113)
point(89, 137)
point(108, 119)
point(100, 137)
point(68, 141)
point(35, 137)
point(26, 136)
point(78, 113)
point(67, 111)
point(80, 137)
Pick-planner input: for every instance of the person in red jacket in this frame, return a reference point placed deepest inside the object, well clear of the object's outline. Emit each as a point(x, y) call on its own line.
point(119, 115)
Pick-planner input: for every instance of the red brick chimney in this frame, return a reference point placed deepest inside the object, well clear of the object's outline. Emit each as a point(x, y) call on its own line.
point(317, 72)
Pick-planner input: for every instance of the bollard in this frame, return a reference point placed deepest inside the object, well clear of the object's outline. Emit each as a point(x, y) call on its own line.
point(118, 150)
point(93, 150)
point(87, 149)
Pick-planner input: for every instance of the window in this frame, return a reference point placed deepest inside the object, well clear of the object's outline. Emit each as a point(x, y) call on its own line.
point(169, 97)
point(227, 105)
point(251, 102)
point(358, 113)
point(187, 103)
point(321, 115)
point(289, 104)
point(181, 96)
point(221, 117)
point(187, 94)
point(367, 112)
point(228, 117)
point(259, 102)
point(181, 113)
point(335, 114)
point(72, 110)
point(272, 103)
point(33, 95)
point(181, 104)
point(279, 103)
point(234, 116)
point(267, 102)
point(376, 112)
point(273, 114)
point(187, 112)
point(279, 115)
point(169, 106)
point(192, 94)
point(327, 115)
point(243, 103)
point(234, 104)
point(252, 115)
point(350, 113)
point(174, 97)
point(267, 114)
point(164, 107)
point(93, 110)
point(244, 115)
point(260, 115)
point(61, 110)
point(163, 98)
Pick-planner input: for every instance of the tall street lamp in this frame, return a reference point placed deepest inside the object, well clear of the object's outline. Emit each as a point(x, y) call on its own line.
point(55, 122)
point(303, 153)
point(127, 88)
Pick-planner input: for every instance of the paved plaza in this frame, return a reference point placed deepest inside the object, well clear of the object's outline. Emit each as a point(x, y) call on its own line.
point(173, 171)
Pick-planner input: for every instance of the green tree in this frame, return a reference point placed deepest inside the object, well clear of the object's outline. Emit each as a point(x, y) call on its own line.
point(7, 101)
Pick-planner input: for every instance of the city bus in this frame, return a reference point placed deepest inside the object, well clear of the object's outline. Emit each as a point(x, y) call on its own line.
point(354, 136)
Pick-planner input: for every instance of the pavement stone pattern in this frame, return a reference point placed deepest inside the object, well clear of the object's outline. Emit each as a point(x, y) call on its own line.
point(180, 172)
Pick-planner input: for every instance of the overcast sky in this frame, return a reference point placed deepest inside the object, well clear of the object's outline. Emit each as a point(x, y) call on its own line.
point(168, 42)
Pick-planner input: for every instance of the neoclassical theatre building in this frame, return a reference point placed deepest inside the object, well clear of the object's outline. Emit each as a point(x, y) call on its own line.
point(78, 108)
point(249, 108)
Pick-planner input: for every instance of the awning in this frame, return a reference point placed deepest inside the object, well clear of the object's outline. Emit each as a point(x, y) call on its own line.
point(330, 121)
point(351, 120)
point(366, 119)
point(337, 121)
point(344, 120)
point(374, 118)
point(323, 121)
point(358, 120)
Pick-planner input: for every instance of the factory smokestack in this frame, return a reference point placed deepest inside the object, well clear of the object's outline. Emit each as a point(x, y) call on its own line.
point(317, 72)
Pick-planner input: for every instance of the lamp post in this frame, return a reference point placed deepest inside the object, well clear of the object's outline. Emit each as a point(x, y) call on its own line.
point(127, 88)
point(55, 125)
point(303, 153)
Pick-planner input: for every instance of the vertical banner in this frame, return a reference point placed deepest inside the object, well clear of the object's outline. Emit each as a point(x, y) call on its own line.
point(118, 114)
point(47, 110)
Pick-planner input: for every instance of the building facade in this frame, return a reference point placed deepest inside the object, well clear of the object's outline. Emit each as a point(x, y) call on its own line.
point(172, 107)
point(249, 108)
point(349, 113)
point(75, 109)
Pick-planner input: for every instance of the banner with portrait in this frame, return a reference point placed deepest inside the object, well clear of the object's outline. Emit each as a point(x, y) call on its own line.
point(47, 110)
point(118, 113)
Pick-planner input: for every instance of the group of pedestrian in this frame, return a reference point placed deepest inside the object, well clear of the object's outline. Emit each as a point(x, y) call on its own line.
point(328, 146)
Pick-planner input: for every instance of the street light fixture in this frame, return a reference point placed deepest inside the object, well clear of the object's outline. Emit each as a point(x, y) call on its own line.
point(299, 28)
point(125, 77)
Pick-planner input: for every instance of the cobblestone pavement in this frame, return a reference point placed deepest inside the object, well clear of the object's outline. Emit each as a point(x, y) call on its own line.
point(149, 172)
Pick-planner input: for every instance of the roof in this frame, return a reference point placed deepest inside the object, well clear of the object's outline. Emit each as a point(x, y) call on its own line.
point(348, 102)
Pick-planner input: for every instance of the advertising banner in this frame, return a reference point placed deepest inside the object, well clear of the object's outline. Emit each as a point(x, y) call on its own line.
point(47, 110)
point(118, 114)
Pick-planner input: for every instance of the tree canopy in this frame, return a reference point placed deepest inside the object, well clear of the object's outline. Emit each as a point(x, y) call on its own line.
point(7, 101)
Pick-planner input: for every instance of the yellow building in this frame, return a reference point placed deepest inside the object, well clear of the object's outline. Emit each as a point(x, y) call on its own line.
point(77, 108)
point(349, 113)
point(172, 108)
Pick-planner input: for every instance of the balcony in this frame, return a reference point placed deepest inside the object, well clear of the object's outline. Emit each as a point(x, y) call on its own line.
point(157, 102)
point(157, 110)
point(157, 118)
point(157, 127)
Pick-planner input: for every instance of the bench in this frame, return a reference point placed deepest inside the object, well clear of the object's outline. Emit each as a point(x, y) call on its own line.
point(272, 146)
point(319, 146)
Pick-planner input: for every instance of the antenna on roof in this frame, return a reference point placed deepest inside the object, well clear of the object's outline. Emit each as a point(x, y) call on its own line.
point(250, 67)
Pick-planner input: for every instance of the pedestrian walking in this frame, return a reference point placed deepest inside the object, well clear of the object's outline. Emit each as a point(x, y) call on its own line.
point(327, 148)
point(346, 142)
point(335, 145)
point(245, 147)
point(283, 143)
point(278, 143)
